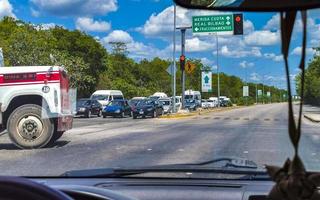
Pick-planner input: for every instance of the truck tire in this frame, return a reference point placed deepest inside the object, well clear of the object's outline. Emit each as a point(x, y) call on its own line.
point(56, 136)
point(29, 127)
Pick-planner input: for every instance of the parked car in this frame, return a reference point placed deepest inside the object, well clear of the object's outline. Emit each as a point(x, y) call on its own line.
point(106, 96)
point(117, 108)
point(148, 107)
point(204, 103)
point(88, 107)
point(211, 103)
point(178, 102)
point(167, 104)
point(135, 100)
point(190, 104)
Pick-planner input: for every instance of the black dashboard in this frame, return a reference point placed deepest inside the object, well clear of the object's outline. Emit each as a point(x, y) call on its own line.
point(159, 189)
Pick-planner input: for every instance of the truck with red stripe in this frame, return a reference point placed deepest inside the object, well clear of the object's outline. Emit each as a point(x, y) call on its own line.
point(35, 106)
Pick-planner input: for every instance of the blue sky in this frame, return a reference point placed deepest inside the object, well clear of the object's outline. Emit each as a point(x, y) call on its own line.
point(146, 26)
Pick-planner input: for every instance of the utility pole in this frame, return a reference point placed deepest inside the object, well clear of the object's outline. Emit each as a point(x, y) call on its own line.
point(218, 73)
point(183, 75)
point(256, 93)
point(174, 61)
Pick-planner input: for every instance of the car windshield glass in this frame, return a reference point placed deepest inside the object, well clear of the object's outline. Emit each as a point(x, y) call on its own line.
point(83, 102)
point(231, 95)
point(189, 97)
point(116, 103)
point(99, 97)
point(145, 103)
point(166, 103)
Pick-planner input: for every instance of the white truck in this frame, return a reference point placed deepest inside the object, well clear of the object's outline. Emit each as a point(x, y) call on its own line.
point(35, 106)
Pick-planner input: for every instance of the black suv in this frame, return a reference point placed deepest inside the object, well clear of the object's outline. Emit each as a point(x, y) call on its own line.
point(88, 107)
point(148, 107)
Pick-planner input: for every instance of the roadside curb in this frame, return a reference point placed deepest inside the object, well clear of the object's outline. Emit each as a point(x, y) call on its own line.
point(312, 118)
point(203, 112)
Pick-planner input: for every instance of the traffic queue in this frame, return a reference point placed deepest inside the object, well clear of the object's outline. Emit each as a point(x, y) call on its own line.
point(111, 103)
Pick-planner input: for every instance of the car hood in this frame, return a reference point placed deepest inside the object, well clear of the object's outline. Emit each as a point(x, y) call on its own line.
point(112, 108)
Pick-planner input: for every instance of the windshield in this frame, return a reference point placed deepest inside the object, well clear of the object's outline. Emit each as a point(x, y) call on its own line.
point(166, 103)
point(231, 97)
point(145, 103)
point(116, 103)
point(189, 97)
point(83, 102)
point(99, 97)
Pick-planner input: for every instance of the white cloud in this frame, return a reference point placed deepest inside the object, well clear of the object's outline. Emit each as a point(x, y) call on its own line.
point(273, 24)
point(6, 9)
point(274, 57)
point(240, 53)
point(118, 36)
point(207, 62)
point(75, 7)
point(88, 24)
point(262, 38)
point(298, 50)
point(245, 64)
point(248, 27)
point(160, 25)
point(137, 50)
point(34, 12)
point(255, 77)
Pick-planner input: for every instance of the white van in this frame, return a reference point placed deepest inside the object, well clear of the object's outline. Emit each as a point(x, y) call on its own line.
point(160, 95)
point(193, 95)
point(105, 96)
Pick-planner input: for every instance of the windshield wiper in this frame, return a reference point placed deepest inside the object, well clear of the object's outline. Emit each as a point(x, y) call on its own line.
point(233, 166)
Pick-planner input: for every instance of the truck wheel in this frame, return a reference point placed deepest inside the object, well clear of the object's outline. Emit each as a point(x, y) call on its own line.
point(29, 127)
point(56, 136)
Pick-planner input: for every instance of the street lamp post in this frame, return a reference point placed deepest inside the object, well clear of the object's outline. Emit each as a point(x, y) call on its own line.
point(183, 76)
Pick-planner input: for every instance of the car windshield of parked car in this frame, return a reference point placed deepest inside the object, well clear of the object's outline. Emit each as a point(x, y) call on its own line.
point(83, 102)
point(224, 70)
point(99, 97)
point(116, 103)
point(165, 102)
point(145, 103)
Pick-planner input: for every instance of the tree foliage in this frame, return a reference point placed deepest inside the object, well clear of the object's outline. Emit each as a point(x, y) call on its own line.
point(312, 81)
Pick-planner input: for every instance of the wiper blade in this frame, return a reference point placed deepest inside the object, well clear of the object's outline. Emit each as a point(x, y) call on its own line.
point(230, 162)
point(243, 167)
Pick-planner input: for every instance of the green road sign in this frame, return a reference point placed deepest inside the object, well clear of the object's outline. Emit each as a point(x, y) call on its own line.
point(212, 24)
point(206, 83)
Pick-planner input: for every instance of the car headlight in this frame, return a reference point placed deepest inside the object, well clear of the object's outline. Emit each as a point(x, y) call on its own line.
point(82, 109)
point(149, 109)
point(117, 111)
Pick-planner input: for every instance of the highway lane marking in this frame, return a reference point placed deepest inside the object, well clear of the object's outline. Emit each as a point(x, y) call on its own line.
point(244, 118)
point(246, 152)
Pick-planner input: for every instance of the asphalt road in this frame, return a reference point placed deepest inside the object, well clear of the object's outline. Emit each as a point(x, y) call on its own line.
point(258, 133)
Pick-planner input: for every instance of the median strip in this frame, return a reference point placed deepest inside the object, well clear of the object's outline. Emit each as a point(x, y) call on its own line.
point(196, 113)
point(313, 117)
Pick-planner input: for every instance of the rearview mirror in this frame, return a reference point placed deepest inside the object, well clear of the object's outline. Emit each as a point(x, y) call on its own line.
point(250, 5)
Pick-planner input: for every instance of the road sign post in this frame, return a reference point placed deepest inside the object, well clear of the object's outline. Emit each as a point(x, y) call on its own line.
point(190, 67)
point(206, 81)
point(174, 61)
point(183, 76)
